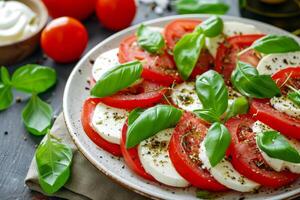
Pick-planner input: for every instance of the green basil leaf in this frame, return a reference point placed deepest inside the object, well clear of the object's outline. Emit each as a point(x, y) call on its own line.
point(5, 78)
point(216, 143)
point(150, 122)
point(248, 82)
point(277, 146)
point(294, 97)
point(53, 160)
point(212, 27)
point(37, 116)
point(239, 106)
point(6, 96)
point(33, 78)
point(134, 114)
point(201, 6)
point(109, 83)
point(150, 40)
point(276, 44)
point(186, 53)
point(204, 194)
point(208, 115)
point(212, 92)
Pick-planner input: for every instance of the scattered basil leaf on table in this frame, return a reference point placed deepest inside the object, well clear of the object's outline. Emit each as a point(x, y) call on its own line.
point(247, 81)
point(134, 114)
point(208, 115)
point(201, 6)
point(33, 78)
point(216, 142)
point(5, 77)
point(149, 39)
point(239, 105)
point(212, 27)
point(212, 92)
point(6, 96)
point(53, 160)
point(150, 122)
point(37, 116)
point(277, 146)
point(294, 97)
point(109, 83)
point(186, 53)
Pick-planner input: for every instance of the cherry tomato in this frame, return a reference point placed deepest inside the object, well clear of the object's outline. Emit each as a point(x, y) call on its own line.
point(116, 14)
point(78, 9)
point(64, 39)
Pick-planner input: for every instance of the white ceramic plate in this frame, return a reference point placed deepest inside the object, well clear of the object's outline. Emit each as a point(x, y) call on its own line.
point(75, 94)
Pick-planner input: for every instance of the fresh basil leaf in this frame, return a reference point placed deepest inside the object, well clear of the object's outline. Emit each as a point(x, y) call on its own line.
point(5, 78)
point(294, 97)
point(208, 115)
point(150, 40)
point(187, 51)
point(248, 82)
point(150, 122)
point(212, 27)
point(212, 92)
point(239, 106)
point(216, 143)
point(37, 116)
point(201, 6)
point(53, 160)
point(33, 78)
point(118, 78)
point(277, 146)
point(134, 114)
point(6, 96)
point(204, 194)
point(276, 44)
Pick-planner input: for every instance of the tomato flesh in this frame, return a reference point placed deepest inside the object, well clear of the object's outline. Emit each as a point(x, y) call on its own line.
point(247, 159)
point(184, 151)
point(86, 119)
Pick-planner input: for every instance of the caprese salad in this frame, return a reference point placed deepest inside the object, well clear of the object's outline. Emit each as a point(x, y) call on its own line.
point(209, 104)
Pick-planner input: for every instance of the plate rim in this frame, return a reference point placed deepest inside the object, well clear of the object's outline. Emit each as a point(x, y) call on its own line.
point(67, 119)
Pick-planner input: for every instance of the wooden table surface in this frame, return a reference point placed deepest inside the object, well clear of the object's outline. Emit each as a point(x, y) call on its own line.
point(17, 146)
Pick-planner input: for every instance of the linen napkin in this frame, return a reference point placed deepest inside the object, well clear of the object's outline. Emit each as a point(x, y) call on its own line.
point(86, 182)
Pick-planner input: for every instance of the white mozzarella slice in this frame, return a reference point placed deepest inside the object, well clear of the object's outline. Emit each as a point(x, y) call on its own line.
point(184, 96)
point(231, 28)
point(108, 122)
point(225, 174)
point(154, 156)
point(283, 104)
point(105, 62)
point(277, 164)
point(272, 63)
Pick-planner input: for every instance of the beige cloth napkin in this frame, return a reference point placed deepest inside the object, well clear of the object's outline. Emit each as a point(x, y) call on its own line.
point(86, 182)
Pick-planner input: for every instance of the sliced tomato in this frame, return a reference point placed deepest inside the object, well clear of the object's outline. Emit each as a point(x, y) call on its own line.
point(86, 118)
point(184, 151)
point(247, 159)
point(131, 157)
point(157, 68)
point(226, 57)
point(290, 73)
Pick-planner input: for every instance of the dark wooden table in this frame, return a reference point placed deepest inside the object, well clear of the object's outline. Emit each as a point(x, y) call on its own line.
point(17, 146)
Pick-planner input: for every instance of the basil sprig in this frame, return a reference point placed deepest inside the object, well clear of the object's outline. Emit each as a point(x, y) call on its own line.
point(216, 142)
point(6, 95)
point(201, 6)
point(294, 96)
point(238, 106)
point(277, 146)
point(246, 79)
point(150, 122)
point(118, 78)
point(53, 160)
point(212, 27)
point(150, 40)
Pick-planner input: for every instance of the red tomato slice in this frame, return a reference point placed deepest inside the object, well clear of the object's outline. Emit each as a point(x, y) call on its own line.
point(227, 53)
point(86, 116)
point(247, 159)
point(184, 151)
point(281, 76)
point(158, 68)
point(131, 157)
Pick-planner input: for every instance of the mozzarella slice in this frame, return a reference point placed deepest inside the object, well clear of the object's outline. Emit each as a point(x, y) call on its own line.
point(272, 63)
point(283, 104)
point(225, 174)
point(277, 164)
point(154, 156)
point(231, 28)
point(108, 122)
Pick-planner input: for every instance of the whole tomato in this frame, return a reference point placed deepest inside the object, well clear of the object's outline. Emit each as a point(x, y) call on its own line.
point(79, 9)
point(64, 39)
point(116, 14)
